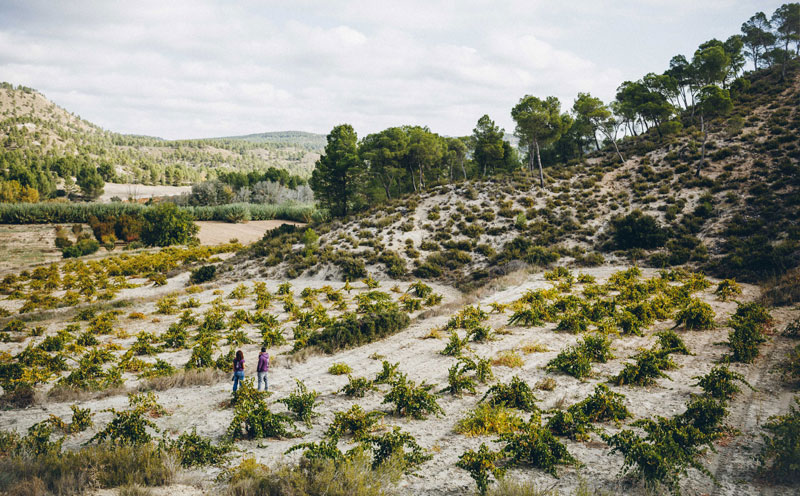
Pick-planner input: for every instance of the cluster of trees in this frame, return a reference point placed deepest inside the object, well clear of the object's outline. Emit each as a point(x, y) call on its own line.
point(80, 175)
point(352, 173)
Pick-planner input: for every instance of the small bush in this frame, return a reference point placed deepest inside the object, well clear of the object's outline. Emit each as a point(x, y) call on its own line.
point(458, 381)
point(571, 361)
point(781, 452)
point(397, 444)
point(455, 346)
point(720, 382)
point(748, 323)
point(301, 402)
point(357, 387)
point(481, 465)
point(697, 315)
point(645, 371)
point(355, 422)
point(197, 451)
point(411, 399)
point(535, 446)
point(252, 418)
point(516, 394)
point(339, 368)
point(203, 274)
point(637, 230)
point(727, 289)
point(670, 342)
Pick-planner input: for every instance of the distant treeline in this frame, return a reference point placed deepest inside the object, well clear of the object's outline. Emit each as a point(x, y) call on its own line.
point(238, 180)
point(47, 213)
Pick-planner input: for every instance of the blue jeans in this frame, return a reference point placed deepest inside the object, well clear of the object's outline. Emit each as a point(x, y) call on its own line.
point(262, 376)
point(238, 376)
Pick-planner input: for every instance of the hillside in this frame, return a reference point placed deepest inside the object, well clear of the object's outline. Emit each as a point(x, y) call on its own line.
point(38, 130)
point(737, 219)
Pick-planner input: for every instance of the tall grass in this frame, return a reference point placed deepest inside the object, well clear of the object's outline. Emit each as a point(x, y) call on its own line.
point(49, 213)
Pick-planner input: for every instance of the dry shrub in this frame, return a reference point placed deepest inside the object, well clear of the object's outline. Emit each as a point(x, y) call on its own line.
point(784, 291)
point(508, 358)
point(352, 477)
point(185, 378)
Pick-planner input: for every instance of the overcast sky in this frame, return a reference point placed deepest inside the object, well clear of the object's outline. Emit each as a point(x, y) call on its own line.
point(190, 69)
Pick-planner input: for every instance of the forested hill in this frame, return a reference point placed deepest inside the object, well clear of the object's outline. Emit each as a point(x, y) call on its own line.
point(38, 139)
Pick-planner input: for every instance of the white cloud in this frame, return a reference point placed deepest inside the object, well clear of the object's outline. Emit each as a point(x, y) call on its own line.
point(212, 68)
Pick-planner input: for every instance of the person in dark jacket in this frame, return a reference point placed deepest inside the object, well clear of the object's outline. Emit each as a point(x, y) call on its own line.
point(238, 370)
point(263, 368)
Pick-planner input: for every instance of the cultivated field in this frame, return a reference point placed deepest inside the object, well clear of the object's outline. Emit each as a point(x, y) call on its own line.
point(150, 333)
point(214, 233)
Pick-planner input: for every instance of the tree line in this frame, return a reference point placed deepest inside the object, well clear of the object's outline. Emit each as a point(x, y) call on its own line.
point(353, 173)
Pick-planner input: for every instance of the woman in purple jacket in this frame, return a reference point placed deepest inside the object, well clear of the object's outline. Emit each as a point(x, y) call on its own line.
point(263, 368)
point(238, 370)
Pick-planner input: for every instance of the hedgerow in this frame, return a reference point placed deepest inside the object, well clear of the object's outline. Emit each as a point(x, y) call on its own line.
point(351, 330)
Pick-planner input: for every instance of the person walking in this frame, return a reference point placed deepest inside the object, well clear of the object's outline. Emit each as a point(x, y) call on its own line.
point(238, 370)
point(263, 368)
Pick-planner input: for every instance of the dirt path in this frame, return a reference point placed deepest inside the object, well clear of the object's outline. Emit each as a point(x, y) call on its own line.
point(215, 233)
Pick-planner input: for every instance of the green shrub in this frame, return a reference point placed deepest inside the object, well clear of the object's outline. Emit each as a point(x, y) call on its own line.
point(81, 419)
point(602, 405)
point(535, 446)
point(670, 448)
point(573, 322)
point(697, 315)
point(387, 374)
point(203, 274)
point(781, 452)
point(572, 361)
point(481, 465)
point(516, 394)
point(670, 342)
point(80, 248)
point(252, 418)
point(357, 387)
point(727, 289)
point(197, 451)
point(569, 423)
point(166, 225)
point(301, 402)
point(637, 230)
point(128, 427)
point(411, 399)
point(458, 381)
point(272, 336)
point(355, 422)
point(645, 371)
point(720, 382)
point(748, 324)
point(596, 347)
point(456, 346)
point(397, 444)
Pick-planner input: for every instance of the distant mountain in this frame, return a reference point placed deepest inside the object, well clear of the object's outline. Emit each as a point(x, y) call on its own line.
point(312, 141)
point(35, 131)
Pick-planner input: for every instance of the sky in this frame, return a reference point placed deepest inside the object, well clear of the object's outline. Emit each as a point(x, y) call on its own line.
point(202, 68)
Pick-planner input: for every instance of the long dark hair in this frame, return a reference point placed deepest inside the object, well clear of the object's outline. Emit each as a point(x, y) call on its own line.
point(239, 356)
